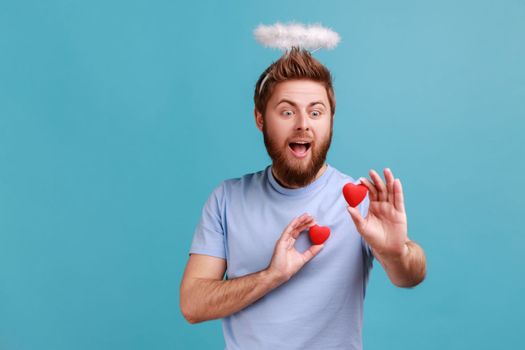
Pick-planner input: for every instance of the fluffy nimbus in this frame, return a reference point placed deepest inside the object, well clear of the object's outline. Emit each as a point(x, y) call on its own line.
point(284, 36)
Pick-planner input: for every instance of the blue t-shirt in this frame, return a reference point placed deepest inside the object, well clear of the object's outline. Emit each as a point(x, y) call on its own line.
point(320, 307)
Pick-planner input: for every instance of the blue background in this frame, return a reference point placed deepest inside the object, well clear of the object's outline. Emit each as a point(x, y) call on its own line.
point(118, 118)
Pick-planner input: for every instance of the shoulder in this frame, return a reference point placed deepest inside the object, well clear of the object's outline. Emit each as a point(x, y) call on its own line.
point(244, 180)
point(241, 183)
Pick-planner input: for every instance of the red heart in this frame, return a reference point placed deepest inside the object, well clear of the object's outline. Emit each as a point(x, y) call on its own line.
point(319, 234)
point(354, 194)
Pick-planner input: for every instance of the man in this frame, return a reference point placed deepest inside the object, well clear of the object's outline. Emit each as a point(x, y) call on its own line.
point(281, 292)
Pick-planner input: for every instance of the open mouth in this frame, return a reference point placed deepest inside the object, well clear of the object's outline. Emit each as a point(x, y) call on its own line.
point(299, 149)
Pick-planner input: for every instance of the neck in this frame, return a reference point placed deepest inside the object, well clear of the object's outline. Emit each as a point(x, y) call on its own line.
point(286, 185)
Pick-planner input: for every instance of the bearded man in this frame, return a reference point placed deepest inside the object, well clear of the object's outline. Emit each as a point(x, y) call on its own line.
point(280, 291)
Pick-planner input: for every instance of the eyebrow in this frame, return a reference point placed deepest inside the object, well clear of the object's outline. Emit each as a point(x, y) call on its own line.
point(295, 105)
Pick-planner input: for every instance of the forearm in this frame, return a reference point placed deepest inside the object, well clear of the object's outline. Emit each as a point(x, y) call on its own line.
point(408, 270)
point(211, 299)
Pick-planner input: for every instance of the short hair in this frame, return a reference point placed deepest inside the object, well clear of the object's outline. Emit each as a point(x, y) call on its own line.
point(295, 64)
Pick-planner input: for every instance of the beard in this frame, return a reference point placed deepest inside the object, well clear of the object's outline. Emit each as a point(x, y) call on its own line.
point(296, 172)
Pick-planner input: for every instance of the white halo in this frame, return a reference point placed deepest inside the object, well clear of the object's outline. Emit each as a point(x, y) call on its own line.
point(284, 36)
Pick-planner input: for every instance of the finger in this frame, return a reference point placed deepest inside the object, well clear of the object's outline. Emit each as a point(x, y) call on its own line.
point(371, 189)
point(380, 185)
point(359, 221)
point(389, 184)
point(297, 223)
point(399, 201)
point(311, 252)
point(288, 230)
point(300, 228)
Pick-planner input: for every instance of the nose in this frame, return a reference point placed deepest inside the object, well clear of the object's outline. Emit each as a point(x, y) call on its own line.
point(301, 121)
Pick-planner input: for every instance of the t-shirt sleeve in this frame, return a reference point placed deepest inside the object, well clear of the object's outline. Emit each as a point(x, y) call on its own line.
point(209, 238)
point(369, 256)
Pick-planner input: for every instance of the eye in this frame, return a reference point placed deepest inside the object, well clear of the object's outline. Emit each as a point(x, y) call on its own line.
point(287, 113)
point(316, 113)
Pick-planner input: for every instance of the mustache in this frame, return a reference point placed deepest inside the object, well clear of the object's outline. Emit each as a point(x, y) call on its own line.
point(301, 135)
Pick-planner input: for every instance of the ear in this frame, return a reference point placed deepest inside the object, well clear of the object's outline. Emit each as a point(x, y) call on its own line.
point(258, 119)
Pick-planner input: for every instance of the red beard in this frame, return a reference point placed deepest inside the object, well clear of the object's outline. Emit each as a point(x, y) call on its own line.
point(296, 172)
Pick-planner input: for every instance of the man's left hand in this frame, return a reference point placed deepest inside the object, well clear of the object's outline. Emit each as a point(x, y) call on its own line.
point(385, 226)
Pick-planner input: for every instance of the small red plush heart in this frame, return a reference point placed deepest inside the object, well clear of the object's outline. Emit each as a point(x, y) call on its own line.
point(354, 194)
point(319, 234)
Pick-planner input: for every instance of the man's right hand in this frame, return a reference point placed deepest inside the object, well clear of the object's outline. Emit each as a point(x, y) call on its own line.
point(204, 295)
point(286, 260)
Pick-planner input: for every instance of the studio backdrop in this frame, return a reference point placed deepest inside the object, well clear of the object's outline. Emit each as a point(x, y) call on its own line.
point(118, 118)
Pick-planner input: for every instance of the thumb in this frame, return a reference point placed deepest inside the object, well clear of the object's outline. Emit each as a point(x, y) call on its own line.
point(357, 218)
point(311, 252)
